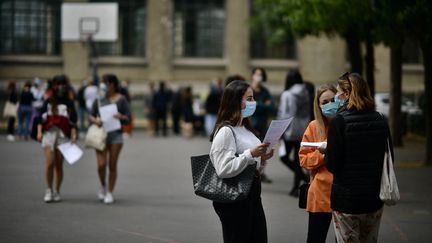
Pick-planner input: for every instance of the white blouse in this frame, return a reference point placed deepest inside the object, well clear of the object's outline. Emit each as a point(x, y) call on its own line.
point(224, 149)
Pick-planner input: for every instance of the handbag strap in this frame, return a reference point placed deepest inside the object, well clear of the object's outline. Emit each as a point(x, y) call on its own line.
point(233, 133)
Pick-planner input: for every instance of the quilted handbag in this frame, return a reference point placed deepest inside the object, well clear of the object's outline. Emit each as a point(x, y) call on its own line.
point(389, 192)
point(209, 185)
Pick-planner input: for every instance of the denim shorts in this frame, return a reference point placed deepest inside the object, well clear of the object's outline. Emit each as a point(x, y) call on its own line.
point(115, 137)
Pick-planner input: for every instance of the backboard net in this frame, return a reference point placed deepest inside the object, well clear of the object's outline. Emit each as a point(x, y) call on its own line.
point(81, 21)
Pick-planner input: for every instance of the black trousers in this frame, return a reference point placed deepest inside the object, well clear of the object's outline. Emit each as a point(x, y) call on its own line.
point(11, 126)
point(318, 227)
point(161, 116)
point(244, 222)
point(299, 175)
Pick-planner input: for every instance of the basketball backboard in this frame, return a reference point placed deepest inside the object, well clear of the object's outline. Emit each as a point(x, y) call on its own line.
point(81, 20)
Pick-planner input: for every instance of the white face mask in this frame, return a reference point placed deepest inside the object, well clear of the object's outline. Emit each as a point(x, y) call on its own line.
point(257, 78)
point(102, 90)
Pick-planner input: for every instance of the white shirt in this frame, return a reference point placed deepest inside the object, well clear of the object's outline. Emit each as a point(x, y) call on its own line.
point(90, 95)
point(224, 148)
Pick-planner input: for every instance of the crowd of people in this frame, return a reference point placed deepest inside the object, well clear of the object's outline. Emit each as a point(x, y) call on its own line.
point(344, 180)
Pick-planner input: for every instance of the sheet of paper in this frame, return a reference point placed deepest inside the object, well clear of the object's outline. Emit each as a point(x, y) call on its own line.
point(70, 151)
point(275, 132)
point(312, 145)
point(109, 122)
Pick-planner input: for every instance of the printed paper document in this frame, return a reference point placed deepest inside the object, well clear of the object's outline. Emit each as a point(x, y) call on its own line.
point(109, 122)
point(70, 151)
point(275, 131)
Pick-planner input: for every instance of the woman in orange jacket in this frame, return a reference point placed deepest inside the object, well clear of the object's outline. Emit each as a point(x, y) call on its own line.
point(312, 159)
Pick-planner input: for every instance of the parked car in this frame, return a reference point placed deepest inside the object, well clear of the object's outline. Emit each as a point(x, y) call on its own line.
point(382, 102)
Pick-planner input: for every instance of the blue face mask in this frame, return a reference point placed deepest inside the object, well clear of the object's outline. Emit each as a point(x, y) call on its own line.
point(338, 102)
point(329, 110)
point(249, 109)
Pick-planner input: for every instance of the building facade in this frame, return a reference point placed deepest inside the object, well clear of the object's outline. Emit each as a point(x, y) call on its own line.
point(175, 40)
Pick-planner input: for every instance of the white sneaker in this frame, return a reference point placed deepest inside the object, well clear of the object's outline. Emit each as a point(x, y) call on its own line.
point(108, 198)
point(101, 193)
point(11, 138)
point(56, 197)
point(48, 196)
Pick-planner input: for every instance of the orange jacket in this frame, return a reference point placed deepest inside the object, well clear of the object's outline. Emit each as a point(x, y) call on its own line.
point(321, 179)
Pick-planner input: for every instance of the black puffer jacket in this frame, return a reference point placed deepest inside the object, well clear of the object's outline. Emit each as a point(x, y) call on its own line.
point(355, 153)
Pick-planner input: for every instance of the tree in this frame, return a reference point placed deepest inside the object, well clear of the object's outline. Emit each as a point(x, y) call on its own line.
point(418, 13)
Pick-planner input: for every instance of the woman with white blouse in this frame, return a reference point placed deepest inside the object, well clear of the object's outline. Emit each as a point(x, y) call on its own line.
point(242, 221)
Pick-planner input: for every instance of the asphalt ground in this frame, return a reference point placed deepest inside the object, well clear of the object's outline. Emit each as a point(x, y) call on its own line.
point(155, 200)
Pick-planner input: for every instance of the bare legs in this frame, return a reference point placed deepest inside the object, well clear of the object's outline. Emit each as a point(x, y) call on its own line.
point(108, 157)
point(54, 163)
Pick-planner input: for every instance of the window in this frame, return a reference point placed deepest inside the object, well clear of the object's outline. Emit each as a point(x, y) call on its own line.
point(262, 48)
point(30, 27)
point(132, 21)
point(198, 28)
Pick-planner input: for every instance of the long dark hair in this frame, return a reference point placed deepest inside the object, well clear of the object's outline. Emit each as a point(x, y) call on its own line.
point(57, 96)
point(112, 79)
point(293, 77)
point(230, 107)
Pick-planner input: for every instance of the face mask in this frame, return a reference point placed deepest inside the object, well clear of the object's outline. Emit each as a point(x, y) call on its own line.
point(329, 110)
point(102, 90)
point(257, 78)
point(338, 102)
point(249, 109)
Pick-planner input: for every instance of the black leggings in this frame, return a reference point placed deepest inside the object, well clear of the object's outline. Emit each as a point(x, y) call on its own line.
point(244, 221)
point(318, 227)
point(299, 175)
point(11, 126)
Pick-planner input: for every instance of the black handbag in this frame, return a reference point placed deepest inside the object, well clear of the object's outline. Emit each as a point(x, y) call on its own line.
point(303, 193)
point(209, 185)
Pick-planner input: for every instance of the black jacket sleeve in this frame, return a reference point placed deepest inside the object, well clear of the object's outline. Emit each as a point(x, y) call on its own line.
point(334, 157)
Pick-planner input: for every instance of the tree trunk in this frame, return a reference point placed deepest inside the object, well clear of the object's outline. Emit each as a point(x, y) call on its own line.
point(354, 51)
point(396, 94)
point(370, 65)
point(427, 64)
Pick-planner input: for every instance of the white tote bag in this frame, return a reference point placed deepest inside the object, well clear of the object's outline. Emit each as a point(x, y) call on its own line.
point(389, 192)
point(95, 137)
point(10, 109)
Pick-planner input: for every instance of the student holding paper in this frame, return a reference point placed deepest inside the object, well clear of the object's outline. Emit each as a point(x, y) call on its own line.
point(312, 159)
point(58, 119)
point(110, 94)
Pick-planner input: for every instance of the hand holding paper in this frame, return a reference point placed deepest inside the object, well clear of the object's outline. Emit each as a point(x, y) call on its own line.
point(70, 151)
point(275, 132)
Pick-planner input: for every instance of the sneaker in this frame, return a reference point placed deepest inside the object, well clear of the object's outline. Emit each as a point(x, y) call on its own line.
point(108, 198)
point(56, 197)
point(11, 138)
point(101, 193)
point(48, 196)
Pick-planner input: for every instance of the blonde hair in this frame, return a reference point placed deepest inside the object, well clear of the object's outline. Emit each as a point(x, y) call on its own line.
point(360, 97)
point(317, 108)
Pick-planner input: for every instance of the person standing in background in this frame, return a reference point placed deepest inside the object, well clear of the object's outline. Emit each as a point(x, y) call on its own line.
point(177, 110)
point(294, 102)
point(160, 104)
point(12, 98)
point(82, 108)
point(265, 107)
point(212, 105)
point(25, 111)
point(148, 109)
point(124, 90)
point(312, 159)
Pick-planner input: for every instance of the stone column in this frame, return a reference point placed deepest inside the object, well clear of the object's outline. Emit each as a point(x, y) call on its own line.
point(321, 59)
point(236, 40)
point(75, 57)
point(159, 39)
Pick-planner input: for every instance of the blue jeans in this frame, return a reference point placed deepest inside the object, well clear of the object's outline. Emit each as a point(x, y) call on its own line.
point(24, 118)
point(82, 117)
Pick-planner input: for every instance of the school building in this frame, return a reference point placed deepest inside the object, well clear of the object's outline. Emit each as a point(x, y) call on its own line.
point(179, 41)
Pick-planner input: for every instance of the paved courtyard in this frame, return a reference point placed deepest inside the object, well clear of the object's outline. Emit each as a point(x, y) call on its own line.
point(155, 201)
